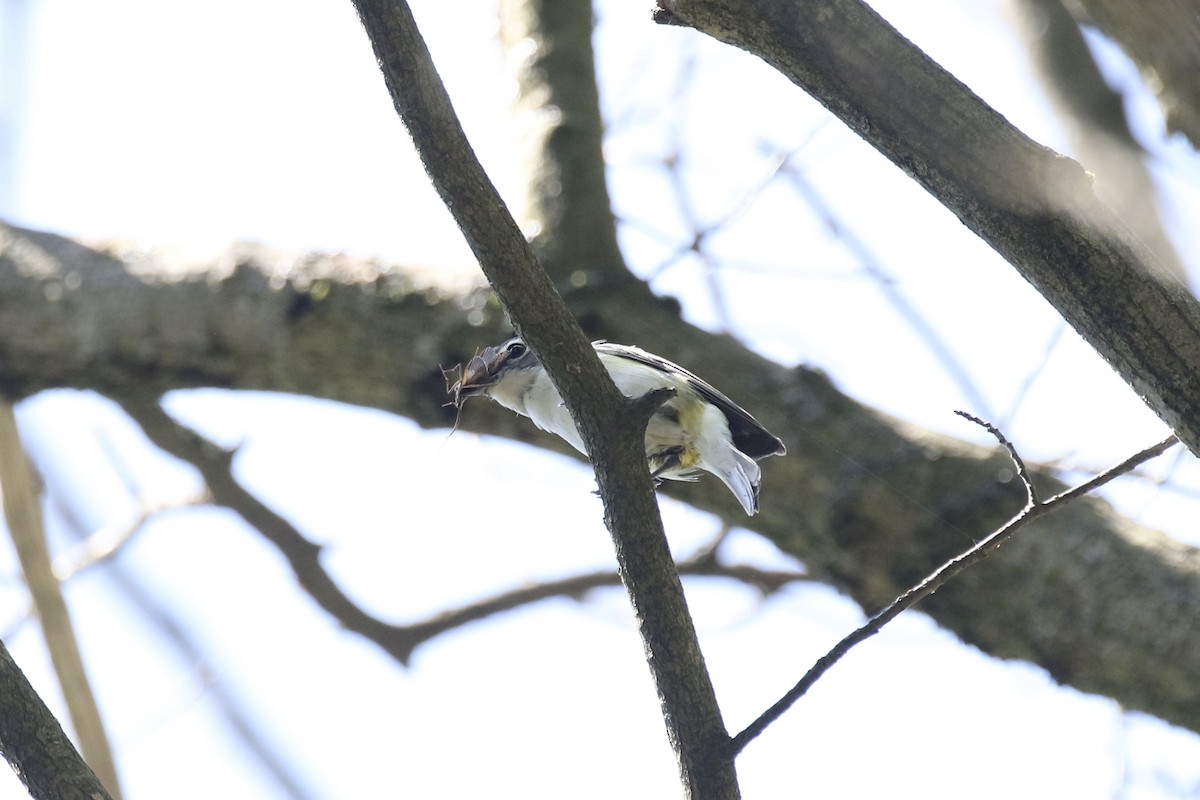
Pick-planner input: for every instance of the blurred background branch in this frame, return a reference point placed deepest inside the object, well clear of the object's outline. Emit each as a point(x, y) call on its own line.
point(23, 512)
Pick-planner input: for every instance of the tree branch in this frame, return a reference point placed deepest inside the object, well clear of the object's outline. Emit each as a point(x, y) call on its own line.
point(36, 747)
point(765, 581)
point(1035, 207)
point(566, 202)
point(1033, 509)
point(303, 556)
point(398, 641)
point(611, 432)
point(868, 504)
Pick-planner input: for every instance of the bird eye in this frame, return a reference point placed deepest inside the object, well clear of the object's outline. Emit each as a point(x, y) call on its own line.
point(516, 350)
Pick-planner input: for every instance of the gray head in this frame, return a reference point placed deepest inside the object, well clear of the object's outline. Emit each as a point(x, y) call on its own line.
point(493, 366)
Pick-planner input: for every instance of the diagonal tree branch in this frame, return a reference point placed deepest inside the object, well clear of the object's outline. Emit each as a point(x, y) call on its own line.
point(612, 428)
point(32, 741)
point(1035, 207)
point(303, 556)
point(1032, 510)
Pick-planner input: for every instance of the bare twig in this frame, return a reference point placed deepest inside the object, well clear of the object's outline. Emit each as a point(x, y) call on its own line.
point(980, 551)
point(23, 510)
point(702, 232)
point(703, 564)
point(1031, 491)
point(98, 547)
point(106, 542)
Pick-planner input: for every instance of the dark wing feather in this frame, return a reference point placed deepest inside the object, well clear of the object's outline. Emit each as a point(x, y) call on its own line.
point(748, 434)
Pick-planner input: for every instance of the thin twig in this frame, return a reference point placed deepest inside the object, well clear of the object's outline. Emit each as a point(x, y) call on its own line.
point(97, 548)
point(1031, 491)
point(106, 542)
point(1032, 376)
point(934, 581)
point(412, 635)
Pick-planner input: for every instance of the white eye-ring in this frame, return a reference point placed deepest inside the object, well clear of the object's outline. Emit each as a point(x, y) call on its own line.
point(516, 350)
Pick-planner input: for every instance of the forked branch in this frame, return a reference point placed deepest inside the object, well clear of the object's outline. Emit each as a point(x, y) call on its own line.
point(1034, 508)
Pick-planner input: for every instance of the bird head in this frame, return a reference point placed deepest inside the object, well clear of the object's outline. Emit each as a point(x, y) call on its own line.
point(494, 369)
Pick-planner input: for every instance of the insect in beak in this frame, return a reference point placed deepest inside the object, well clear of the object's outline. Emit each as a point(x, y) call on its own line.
point(479, 373)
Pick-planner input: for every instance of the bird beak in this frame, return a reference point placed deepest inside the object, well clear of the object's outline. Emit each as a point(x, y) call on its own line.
point(479, 374)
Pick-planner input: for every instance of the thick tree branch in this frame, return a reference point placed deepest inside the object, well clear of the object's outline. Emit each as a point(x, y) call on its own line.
point(612, 433)
point(1035, 207)
point(121, 319)
point(566, 204)
point(868, 504)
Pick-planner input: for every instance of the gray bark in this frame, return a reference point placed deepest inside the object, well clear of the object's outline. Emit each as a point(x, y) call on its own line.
point(1035, 207)
point(869, 504)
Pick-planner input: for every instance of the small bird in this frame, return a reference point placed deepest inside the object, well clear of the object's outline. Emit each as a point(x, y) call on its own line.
point(697, 429)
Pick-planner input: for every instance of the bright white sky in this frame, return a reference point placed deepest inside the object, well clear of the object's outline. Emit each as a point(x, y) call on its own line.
point(199, 124)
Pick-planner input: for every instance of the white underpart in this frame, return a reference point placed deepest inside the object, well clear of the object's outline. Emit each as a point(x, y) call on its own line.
point(531, 394)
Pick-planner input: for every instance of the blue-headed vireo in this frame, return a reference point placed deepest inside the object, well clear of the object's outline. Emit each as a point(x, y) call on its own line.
point(697, 429)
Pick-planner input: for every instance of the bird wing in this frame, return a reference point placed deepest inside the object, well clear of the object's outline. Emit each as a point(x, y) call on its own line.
point(748, 434)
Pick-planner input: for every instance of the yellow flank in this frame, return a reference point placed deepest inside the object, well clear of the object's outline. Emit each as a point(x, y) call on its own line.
point(689, 458)
point(690, 408)
point(674, 430)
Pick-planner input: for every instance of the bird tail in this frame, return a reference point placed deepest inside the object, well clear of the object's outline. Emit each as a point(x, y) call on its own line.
point(741, 474)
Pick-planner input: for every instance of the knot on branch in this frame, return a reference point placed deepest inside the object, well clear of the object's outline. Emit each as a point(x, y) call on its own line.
point(665, 16)
point(643, 407)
